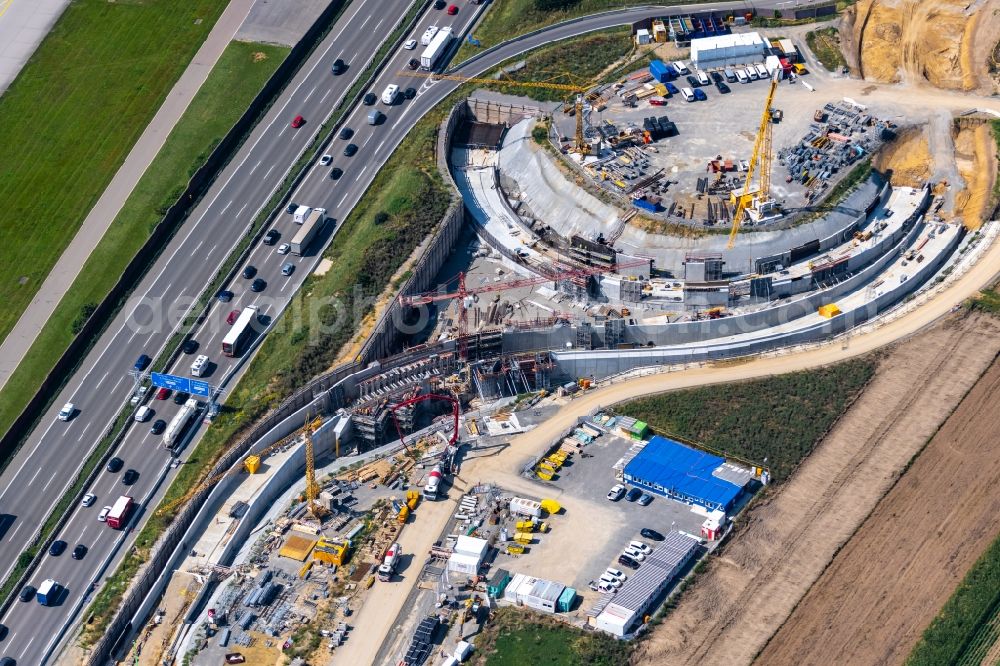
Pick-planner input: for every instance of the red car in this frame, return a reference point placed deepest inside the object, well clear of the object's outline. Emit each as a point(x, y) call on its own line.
point(162, 394)
point(232, 317)
point(298, 121)
point(452, 10)
point(658, 101)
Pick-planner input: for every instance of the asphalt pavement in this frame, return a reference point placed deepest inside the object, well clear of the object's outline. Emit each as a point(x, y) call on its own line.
point(42, 470)
point(23, 25)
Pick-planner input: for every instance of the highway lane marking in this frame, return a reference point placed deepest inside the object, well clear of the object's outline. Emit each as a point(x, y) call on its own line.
point(360, 173)
point(365, 21)
point(30, 641)
point(241, 210)
point(226, 207)
point(198, 246)
point(282, 132)
point(343, 200)
point(285, 284)
point(84, 431)
point(12, 537)
point(254, 168)
point(326, 95)
point(310, 93)
point(104, 377)
point(51, 479)
point(370, 137)
point(34, 476)
point(380, 146)
point(79, 539)
point(268, 173)
point(118, 383)
point(212, 251)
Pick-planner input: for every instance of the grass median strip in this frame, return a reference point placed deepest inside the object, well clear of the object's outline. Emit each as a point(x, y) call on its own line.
point(228, 90)
point(70, 118)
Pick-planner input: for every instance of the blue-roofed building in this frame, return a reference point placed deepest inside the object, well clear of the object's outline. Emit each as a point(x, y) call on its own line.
point(679, 472)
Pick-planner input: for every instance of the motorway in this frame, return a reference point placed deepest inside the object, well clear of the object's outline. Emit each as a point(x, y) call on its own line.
point(36, 478)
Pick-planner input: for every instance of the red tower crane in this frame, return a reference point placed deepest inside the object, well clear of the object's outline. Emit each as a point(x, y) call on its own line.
point(463, 293)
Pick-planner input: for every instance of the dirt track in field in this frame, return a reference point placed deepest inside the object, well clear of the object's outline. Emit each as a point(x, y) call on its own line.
point(783, 546)
point(924, 535)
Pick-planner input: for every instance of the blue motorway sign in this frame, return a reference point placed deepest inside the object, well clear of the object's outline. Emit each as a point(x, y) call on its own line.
point(172, 382)
point(200, 388)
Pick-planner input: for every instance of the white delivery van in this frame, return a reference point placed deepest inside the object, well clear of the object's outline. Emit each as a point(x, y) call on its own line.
point(741, 76)
point(680, 66)
point(390, 94)
point(703, 78)
point(143, 414)
point(751, 72)
point(688, 94)
point(300, 214)
point(428, 35)
point(199, 366)
point(761, 71)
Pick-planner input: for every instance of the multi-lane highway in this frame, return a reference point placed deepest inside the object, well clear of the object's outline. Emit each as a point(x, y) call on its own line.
point(49, 460)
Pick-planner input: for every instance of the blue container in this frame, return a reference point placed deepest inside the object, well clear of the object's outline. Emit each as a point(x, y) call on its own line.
point(646, 205)
point(660, 71)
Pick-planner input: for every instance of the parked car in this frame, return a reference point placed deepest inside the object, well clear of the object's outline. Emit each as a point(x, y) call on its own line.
point(159, 425)
point(249, 272)
point(258, 285)
point(700, 95)
point(692, 81)
point(79, 552)
point(325, 160)
point(336, 173)
point(115, 464)
point(606, 588)
point(190, 346)
point(57, 548)
point(298, 121)
point(723, 88)
point(162, 393)
point(651, 534)
point(716, 77)
point(338, 67)
point(284, 248)
point(67, 411)
point(232, 317)
point(102, 517)
point(628, 561)
point(616, 573)
point(609, 580)
point(616, 493)
point(634, 553)
point(633, 494)
point(645, 499)
point(130, 477)
point(350, 150)
point(641, 547)
point(672, 89)
point(410, 44)
point(89, 499)
point(346, 133)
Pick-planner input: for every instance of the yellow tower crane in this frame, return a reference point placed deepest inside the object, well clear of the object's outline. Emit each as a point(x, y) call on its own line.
point(577, 91)
point(312, 487)
point(758, 199)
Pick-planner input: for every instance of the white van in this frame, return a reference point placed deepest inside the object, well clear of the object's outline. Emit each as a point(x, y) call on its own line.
point(428, 35)
point(687, 94)
point(741, 76)
point(390, 94)
point(703, 78)
point(199, 366)
point(143, 414)
point(608, 580)
point(761, 71)
point(680, 67)
point(751, 72)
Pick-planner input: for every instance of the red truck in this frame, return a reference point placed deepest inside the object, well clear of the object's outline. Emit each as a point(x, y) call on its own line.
point(120, 512)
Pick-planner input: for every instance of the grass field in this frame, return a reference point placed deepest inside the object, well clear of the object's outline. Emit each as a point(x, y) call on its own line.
point(825, 44)
point(232, 84)
point(778, 418)
point(70, 118)
point(969, 624)
point(515, 637)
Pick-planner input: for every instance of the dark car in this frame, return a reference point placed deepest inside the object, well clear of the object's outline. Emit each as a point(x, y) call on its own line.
point(627, 561)
point(181, 397)
point(338, 67)
point(700, 95)
point(159, 425)
point(7, 661)
point(115, 464)
point(291, 207)
point(633, 494)
point(258, 285)
point(410, 93)
point(350, 150)
point(346, 133)
point(723, 88)
point(130, 477)
point(3, 635)
point(57, 548)
point(225, 296)
point(336, 173)
point(651, 534)
point(672, 89)
point(716, 77)
point(693, 82)
point(141, 362)
point(646, 499)
point(271, 237)
point(27, 593)
point(249, 272)
point(413, 63)
point(369, 99)
point(79, 552)
point(439, 4)
point(190, 346)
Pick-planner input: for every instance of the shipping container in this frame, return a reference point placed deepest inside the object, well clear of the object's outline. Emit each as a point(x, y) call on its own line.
point(661, 72)
point(525, 507)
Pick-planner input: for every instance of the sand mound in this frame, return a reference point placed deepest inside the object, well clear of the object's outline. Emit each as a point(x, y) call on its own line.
point(909, 157)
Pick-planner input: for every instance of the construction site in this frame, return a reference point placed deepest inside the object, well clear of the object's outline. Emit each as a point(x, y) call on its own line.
point(624, 242)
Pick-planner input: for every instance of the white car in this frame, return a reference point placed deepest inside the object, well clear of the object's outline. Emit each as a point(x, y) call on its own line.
point(139, 395)
point(410, 44)
point(89, 499)
point(616, 493)
point(284, 248)
point(608, 580)
point(635, 554)
point(640, 546)
point(326, 159)
point(616, 573)
point(102, 517)
point(66, 413)
point(606, 588)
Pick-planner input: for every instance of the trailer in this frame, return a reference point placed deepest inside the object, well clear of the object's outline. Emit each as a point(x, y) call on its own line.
point(304, 236)
point(172, 435)
point(436, 48)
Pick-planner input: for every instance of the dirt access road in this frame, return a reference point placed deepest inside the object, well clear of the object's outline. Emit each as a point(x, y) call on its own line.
point(925, 534)
point(786, 541)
